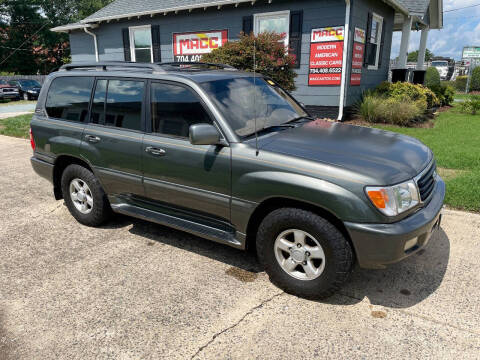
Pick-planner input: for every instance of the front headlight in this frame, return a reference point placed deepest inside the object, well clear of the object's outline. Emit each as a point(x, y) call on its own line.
point(394, 200)
point(30, 91)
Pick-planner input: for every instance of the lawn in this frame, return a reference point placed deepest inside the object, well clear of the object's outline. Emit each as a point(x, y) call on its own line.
point(461, 96)
point(17, 126)
point(455, 141)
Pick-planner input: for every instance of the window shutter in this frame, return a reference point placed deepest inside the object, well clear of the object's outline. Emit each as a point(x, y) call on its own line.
point(367, 40)
point(295, 36)
point(157, 57)
point(126, 44)
point(248, 24)
point(382, 42)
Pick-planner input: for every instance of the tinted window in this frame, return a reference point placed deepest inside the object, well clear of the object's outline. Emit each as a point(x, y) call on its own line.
point(98, 105)
point(68, 98)
point(174, 109)
point(124, 104)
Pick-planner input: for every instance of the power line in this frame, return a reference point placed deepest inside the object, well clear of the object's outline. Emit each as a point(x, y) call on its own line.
point(14, 51)
point(461, 8)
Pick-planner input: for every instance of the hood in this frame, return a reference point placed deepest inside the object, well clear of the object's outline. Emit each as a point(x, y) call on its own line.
point(387, 157)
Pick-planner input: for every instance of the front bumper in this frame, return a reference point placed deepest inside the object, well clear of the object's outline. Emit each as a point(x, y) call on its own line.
point(377, 245)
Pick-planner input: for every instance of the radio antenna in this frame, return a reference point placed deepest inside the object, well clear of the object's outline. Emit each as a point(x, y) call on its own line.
point(254, 95)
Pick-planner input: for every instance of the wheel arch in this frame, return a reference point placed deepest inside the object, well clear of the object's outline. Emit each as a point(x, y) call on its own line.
point(61, 163)
point(271, 204)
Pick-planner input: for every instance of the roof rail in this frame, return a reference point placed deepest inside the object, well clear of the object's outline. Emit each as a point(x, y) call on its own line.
point(187, 64)
point(106, 64)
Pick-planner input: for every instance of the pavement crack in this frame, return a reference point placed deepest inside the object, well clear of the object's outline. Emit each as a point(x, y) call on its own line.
point(249, 312)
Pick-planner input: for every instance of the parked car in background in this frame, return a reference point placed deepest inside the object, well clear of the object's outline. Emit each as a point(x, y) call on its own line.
point(29, 89)
point(8, 92)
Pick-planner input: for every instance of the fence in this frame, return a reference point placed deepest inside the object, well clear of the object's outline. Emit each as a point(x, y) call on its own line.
point(39, 78)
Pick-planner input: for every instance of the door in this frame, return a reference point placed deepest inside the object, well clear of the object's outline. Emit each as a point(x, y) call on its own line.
point(112, 141)
point(177, 173)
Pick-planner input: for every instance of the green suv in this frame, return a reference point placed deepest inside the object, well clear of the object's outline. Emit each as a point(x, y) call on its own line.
point(233, 158)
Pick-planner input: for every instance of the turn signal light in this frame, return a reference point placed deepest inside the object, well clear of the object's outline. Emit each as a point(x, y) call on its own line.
point(32, 140)
point(378, 197)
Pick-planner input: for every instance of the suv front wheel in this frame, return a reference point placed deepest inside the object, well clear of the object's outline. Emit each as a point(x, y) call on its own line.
point(303, 253)
point(84, 196)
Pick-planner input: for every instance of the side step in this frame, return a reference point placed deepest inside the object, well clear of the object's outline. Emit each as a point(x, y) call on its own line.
point(201, 230)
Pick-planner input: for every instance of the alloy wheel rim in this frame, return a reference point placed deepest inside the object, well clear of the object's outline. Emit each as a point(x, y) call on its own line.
point(81, 196)
point(299, 254)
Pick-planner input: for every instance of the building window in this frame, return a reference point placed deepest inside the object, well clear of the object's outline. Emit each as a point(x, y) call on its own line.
point(278, 22)
point(141, 44)
point(373, 50)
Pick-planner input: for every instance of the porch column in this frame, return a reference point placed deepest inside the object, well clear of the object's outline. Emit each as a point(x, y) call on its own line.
point(406, 29)
point(422, 49)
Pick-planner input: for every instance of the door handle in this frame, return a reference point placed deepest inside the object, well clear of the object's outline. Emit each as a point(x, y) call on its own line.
point(155, 151)
point(92, 138)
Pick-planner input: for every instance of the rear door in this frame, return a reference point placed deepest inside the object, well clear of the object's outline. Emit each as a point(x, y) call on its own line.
point(59, 120)
point(186, 176)
point(112, 140)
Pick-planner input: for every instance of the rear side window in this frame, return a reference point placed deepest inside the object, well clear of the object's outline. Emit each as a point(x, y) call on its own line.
point(174, 109)
point(68, 98)
point(118, 103)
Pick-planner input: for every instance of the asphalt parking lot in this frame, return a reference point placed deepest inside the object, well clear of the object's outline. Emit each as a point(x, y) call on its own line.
point(132, 290)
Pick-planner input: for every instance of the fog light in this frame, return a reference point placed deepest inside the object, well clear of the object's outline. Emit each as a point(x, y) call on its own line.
point(411, 243)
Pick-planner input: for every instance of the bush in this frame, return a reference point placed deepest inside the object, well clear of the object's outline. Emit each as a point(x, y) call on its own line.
point(475, 80)
point(432, 77)
point(445, 94)
point(408, 92)
point(272, 59)
point(377, 109)
point(461, 82)
point(471, 105)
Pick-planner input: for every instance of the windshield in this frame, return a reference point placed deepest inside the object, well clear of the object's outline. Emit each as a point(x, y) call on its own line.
point(29, 83)
point(439, 63)
point(241, 101)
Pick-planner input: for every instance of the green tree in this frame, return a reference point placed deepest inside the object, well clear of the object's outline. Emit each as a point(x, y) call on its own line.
point(272, 59)
point(413, 56)
point(475, 80)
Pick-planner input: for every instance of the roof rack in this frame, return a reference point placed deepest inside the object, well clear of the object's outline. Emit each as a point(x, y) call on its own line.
point(106, 64)
point(190, 64)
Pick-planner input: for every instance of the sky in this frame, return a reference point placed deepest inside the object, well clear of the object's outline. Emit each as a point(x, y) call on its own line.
point(460, 28)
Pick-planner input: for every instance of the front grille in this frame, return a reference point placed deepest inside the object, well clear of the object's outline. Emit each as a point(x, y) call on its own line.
point(426, 183)
point(8, 90)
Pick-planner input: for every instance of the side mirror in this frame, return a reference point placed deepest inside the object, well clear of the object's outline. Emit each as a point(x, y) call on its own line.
point(204, 134)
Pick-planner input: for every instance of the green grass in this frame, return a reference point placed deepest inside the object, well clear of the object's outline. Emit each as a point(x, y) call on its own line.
point(455, 141)
point(461, 96)
point(20, 102)
point(17, 126)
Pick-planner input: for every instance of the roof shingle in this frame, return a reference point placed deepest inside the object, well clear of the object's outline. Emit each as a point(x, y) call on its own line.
point(416, 7)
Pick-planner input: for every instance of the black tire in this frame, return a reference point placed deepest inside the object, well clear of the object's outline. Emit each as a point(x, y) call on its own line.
point(26, 97)
point(337, 250)
point(101, 210)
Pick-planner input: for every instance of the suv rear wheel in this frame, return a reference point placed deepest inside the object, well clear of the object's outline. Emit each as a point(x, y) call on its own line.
point(84, 196)
point(303, 253)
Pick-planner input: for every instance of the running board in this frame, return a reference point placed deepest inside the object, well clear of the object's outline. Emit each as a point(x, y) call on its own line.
point(201, 230)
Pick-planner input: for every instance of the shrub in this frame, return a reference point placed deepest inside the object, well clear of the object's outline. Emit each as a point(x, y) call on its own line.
point(272, 59)
point(432, 77)
point(475, 80)
point(461, 82)
point(409, 93)
point(445, 94)
point(471, 105)
point(376, 109)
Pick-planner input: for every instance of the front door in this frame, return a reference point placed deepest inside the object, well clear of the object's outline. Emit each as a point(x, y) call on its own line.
point(112, 141)
point(177, 173)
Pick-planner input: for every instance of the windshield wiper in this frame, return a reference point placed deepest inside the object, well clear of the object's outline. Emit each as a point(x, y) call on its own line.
point(297, 119)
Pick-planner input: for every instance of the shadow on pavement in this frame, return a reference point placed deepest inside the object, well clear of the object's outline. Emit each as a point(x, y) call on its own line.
point(401, 285)
point(404, 284)
point(164, 235)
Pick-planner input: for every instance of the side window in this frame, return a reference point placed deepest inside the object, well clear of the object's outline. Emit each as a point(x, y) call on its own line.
point(174, 109)
point(118, 103)
point(68, 98)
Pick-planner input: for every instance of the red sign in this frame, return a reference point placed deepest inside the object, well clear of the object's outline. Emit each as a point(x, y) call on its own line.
point(357, 63)
point(326, 56)
point(357, 57)
point(189, 47)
